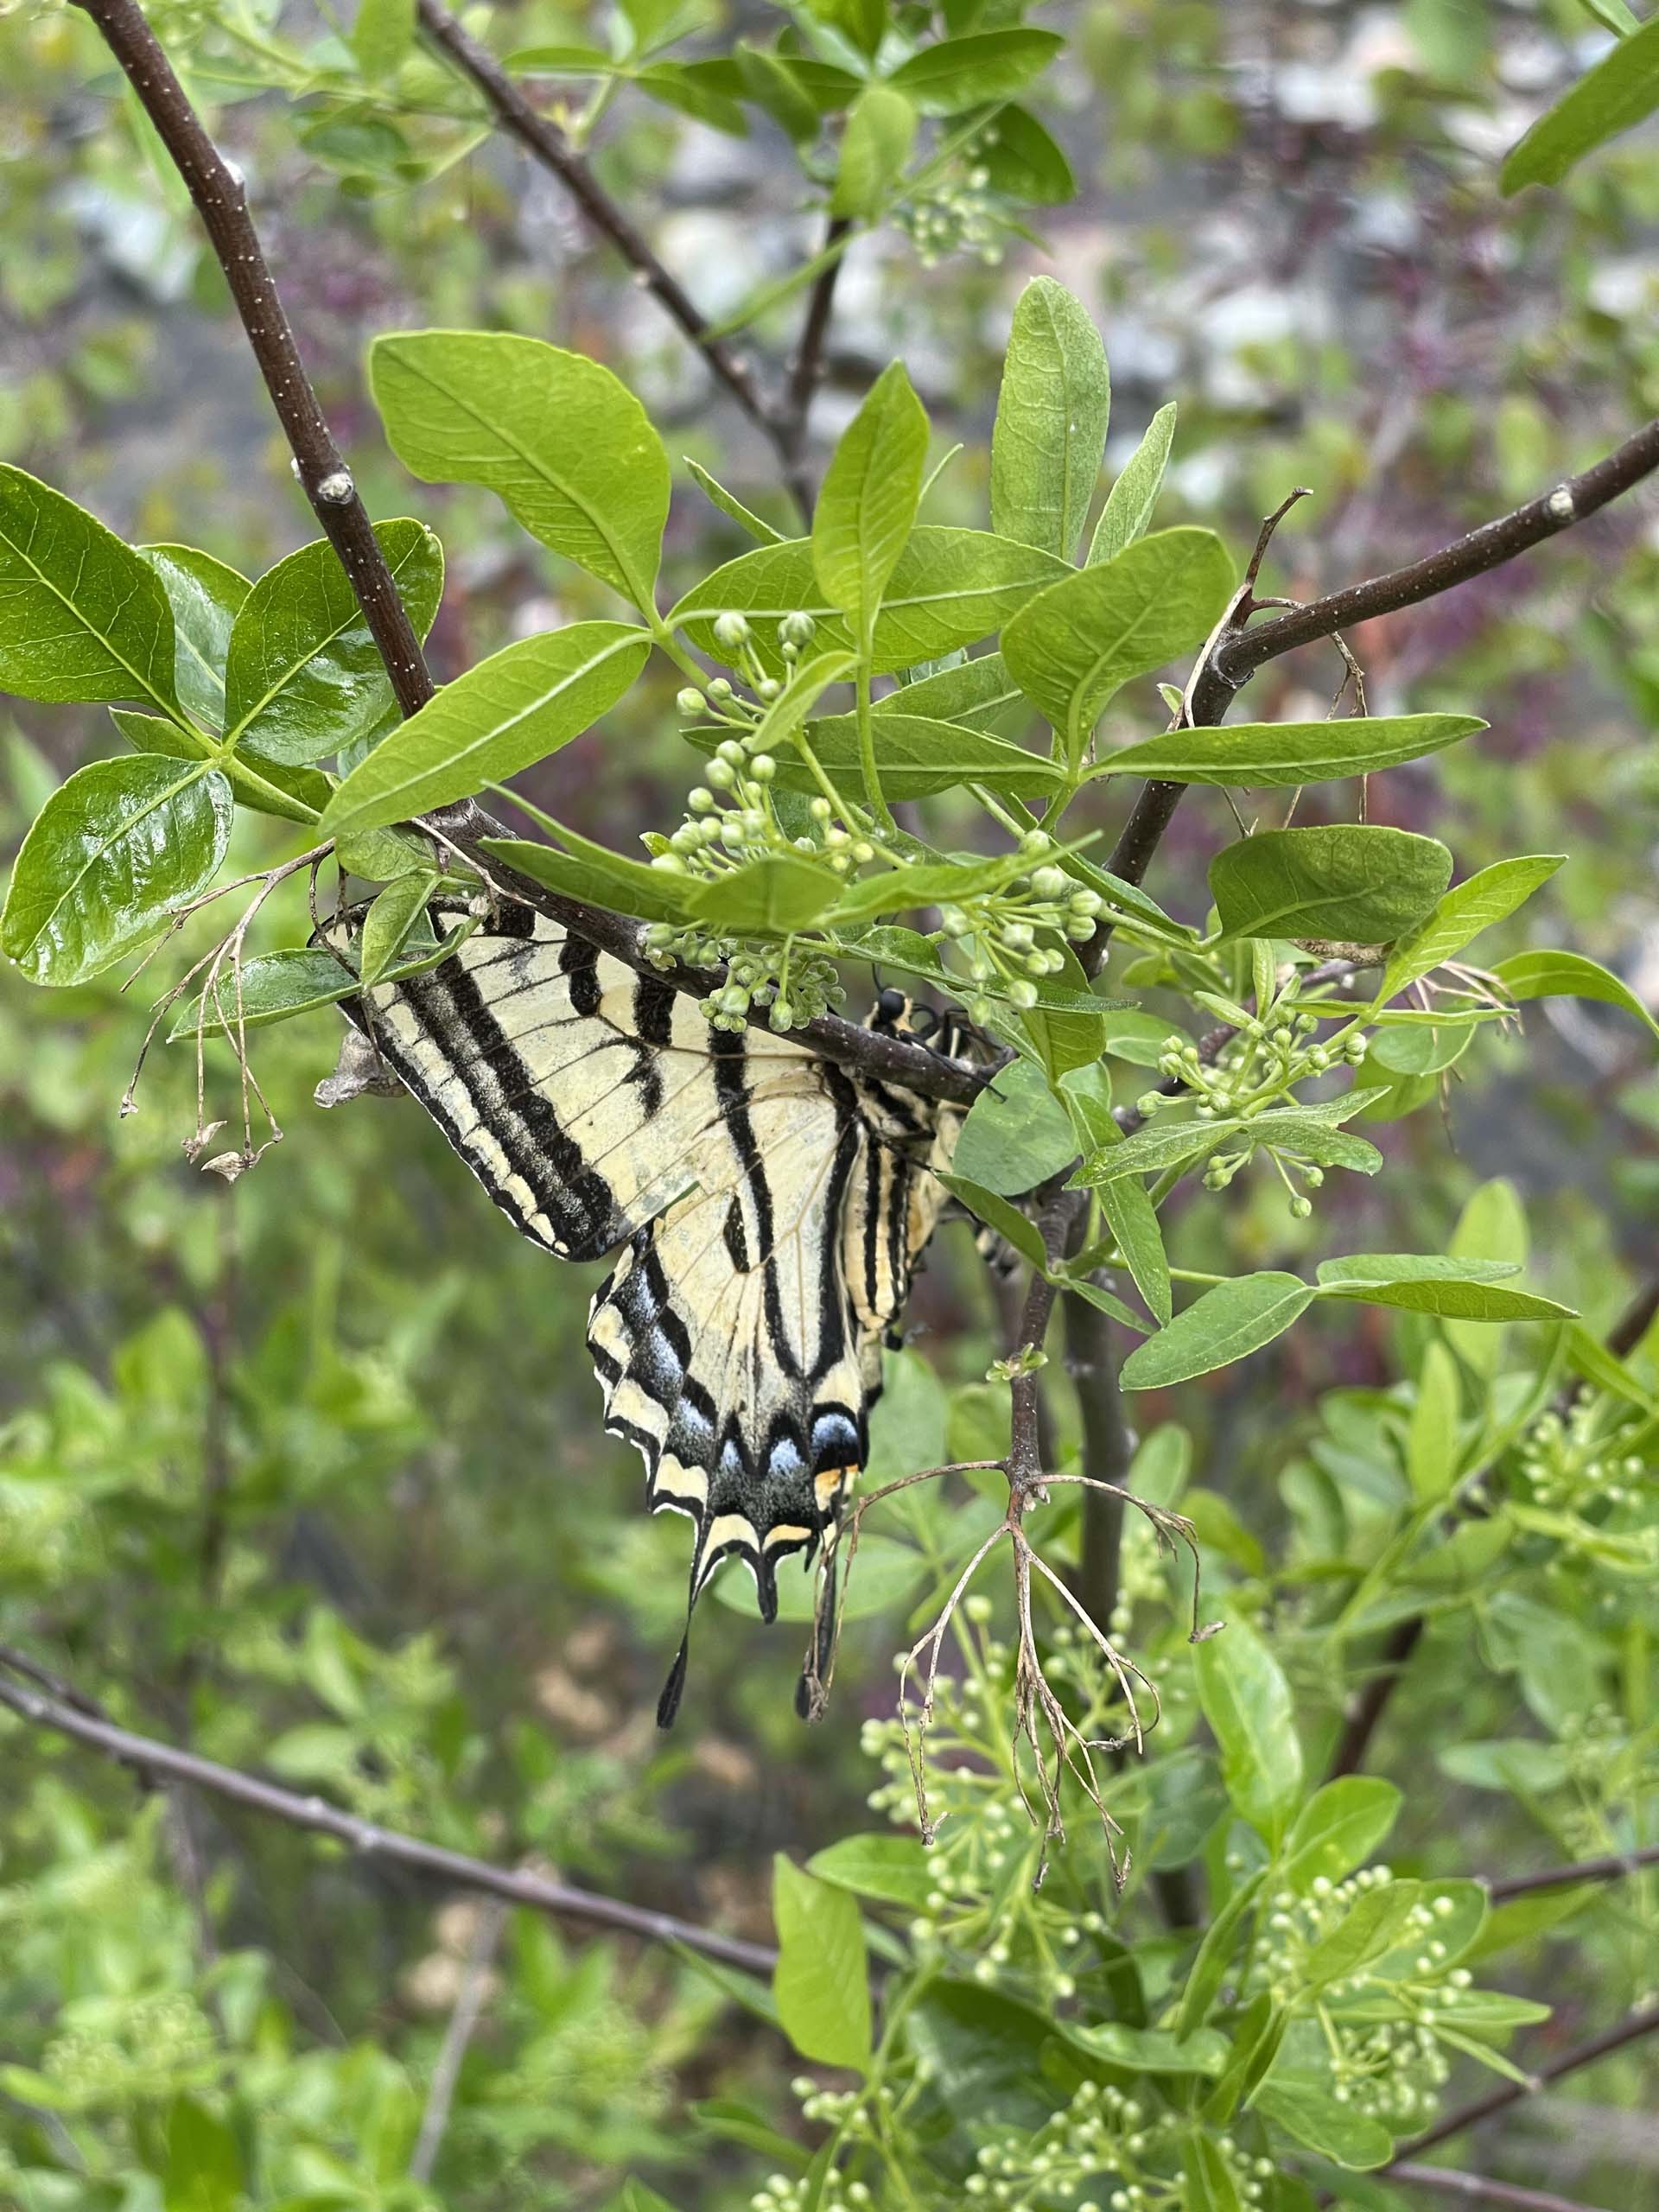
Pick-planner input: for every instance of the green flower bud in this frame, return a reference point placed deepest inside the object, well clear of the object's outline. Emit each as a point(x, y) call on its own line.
point(670, 863)
point(1035, 841)
point(721, 774)
point(1022, 995)
point(797, 629)
point(1050, 882)
point(732, 630)
point(763, 768)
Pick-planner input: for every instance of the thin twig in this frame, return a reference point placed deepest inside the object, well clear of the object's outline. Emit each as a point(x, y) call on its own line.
point(475, 1989)
point(43, 1709)
point(1482, 2189)
point(807, 365)
point(1612, 1866)
point(217, 187)
point(1629, 2030)
point(542, 137)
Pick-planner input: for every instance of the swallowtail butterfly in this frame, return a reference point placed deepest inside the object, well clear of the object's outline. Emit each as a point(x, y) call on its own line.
point(767, 1208)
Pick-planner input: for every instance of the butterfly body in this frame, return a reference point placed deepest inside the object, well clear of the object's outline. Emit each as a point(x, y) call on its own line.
point(766, 1207)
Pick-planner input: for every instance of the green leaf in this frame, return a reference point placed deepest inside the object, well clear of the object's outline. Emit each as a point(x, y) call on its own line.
point(277, 986)
point(1247, 1701)
point(1052, 415)
point(292, 794)
point(1355, 1273)
point(502, 716)
point(871, 491)
point(82, 616)
point(1153, 1150)
point(973, 694)
point(822, 1981)
point(732, 508)
point(770, 80)
point(1228, 1323)
point(206, 597)
point(1470, 907)
point(950, 589)
point(383, 35)
point(1367, 1932)
point(768, 897)
point(1351, 882)
point(1151, 2050)
point(1097, 1295)
point(204, 2161)
point(1614, 96)
point(1432, 1433)
point(1017, 1133)
point(894, 1869)
point(915, 757)
point(599, 877)
point(558, 439)
point(863, 21)
point(1569, 976)
point(1338, 1829)
point(636, 2195)
point(1314, 2117)
point(1024, 160)
point(392, 916)
point(382, 855)
point(883, 1577)
point(1455, 1299)
point(303, 677)
point(1220, 1941)
point(1132, 499)
point(1263, 755)
point(1133, 1220)
point(112, 853)
point(875, 147)
point(985, 65)
point(1208, 2183)
point(1013, 1227)
point(1074, 646)
point(924, 884)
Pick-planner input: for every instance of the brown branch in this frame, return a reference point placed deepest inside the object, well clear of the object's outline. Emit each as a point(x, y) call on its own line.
point(1481, 2189)
point(159, 1761)
point(542, 137)
point(1629, 2030)
point(1612, 1867)
point(1238, 657)
point(216, 186)
point(807, 365)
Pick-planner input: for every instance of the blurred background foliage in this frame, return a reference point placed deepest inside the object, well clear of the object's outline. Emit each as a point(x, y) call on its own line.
point(308, 1472)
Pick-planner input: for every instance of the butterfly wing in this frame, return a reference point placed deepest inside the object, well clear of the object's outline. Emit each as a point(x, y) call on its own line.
point(769, 1210)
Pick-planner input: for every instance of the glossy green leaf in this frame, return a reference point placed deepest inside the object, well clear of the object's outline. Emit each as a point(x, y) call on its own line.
point(558, 439)
point(1313, 2117)
point(112, 853)
point(1228, 1323)
point(382, 34)
point(1432, 1432)
point(1017, 1133)
point(1133, 1220)
point(382, 855)
point(998, 1213)
point(893, 1869)
point(979, 693)
point(1263, 755)
point(1616, 94)
point(822, 1981)
point(82, 616)
point(1207, 2181)
point(874, 147)
point(1153, 1149)
point(502, 716)
point(1338, 1829)
point(732, 508)
point(1456, 1299)
point(1353, 882)
point(960, 72)
point(1132, 499)
point(277, 986)
point(1468, 907)
point(598, 876)
point(1358, 1270)
point(1151, 2050)
point(951, 588)
point(206, 597)
point(291, 794)
point(392, 915)
point(1021, 158)
point(1570, 975)
point(868, 504)
point(1074, 646)
point(915, 757)
point(768, 897)
point(1247, 1701)
point(1052, 415)
point(303, 677)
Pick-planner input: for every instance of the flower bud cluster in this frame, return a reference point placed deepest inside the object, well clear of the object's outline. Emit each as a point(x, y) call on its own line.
point(1257, 1069)
point(1580, 1460)
point(960, 214)
point(994, 933)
